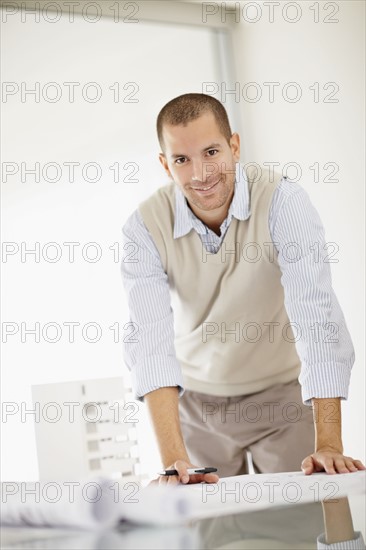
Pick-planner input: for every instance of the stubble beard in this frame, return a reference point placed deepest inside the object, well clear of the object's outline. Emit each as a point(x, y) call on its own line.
point(217, 199)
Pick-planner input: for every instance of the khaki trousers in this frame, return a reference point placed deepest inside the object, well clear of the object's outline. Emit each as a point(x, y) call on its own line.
point(273, 425)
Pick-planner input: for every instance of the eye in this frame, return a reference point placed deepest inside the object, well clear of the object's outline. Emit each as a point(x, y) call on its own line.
point(214, 151)
point(177, 161)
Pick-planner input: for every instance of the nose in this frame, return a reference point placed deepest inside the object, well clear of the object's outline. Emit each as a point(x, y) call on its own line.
point(197, 171)
point(203, 171)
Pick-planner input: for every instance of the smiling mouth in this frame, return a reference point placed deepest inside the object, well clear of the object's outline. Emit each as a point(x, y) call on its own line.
point(207, 188)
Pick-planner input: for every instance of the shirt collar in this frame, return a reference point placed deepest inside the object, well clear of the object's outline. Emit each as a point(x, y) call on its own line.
point(239, 206)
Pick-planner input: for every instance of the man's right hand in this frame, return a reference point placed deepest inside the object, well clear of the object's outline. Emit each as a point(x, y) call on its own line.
point(183, 477)
point(163, 408)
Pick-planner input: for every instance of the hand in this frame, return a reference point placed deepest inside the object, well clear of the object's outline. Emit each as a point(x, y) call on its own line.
point(183, 477)
point(331, 461)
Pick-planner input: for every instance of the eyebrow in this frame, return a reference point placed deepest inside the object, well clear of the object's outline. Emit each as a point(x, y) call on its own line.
point(212, 146)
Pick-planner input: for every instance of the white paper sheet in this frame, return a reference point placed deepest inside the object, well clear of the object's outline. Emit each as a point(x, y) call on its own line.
point(259, 491)
point(93, 503)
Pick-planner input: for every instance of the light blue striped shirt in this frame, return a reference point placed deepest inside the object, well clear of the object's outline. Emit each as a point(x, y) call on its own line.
point(357, 543)
point(321, 336)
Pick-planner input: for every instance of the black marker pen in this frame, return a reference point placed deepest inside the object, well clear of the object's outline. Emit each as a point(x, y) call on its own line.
point(191, 471)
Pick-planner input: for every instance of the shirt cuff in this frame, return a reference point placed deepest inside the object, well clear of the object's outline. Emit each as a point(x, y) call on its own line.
point(156, 372)
point(324, 380)
point(355, 544)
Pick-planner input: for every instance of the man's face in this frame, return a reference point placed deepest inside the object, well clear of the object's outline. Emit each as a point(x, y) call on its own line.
point(197, 155)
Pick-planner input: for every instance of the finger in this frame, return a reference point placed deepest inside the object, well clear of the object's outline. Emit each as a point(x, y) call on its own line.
point(211, 478)
point(181, 468)
point(184, 476)
point(154, 481)
point(321, 464)
point(203, 478)
point(359, 465)
point(173, 480)
point(340, 466)
point(307, 465)
point(328, 465)
point(195, 478)
point(165, 480)
point(349, 463)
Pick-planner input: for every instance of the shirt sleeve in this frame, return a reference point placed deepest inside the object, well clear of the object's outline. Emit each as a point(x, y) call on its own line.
point(149, 351)
point(321, 336)
point(357, 543)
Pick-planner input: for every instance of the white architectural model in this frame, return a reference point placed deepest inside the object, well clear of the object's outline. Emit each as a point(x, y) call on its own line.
point(86, 428)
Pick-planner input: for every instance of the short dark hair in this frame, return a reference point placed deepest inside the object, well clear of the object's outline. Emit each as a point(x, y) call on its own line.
point(188, 107)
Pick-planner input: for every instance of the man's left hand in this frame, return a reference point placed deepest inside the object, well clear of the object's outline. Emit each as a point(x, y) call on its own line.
point(331, 461)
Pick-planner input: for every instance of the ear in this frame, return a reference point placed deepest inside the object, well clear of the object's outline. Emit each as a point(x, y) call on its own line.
point(235, 146)
point(164, 163)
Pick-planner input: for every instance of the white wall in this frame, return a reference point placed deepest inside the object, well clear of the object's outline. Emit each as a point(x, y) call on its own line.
point(307, 132)
point(38, 290)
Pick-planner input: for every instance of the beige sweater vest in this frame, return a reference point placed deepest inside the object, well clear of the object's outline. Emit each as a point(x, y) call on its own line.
point(232, 332)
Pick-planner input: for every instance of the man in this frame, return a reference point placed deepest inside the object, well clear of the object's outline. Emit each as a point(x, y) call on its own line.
point(220, 369)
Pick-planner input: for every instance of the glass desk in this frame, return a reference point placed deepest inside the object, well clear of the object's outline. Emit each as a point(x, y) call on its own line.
point(295, 526)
